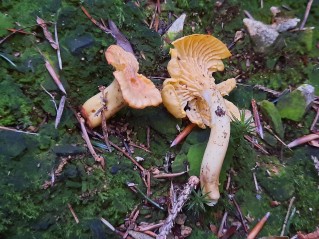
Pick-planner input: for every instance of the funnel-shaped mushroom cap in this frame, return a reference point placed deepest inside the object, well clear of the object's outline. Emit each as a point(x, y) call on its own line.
point(137, 90)
point(193, 60)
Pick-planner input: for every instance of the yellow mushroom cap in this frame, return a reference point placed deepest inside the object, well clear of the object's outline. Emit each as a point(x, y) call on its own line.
point(193, 60)
point(137, 90)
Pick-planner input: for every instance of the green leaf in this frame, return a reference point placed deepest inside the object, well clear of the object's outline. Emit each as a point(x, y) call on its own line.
point(195, 155)
point(271, 113)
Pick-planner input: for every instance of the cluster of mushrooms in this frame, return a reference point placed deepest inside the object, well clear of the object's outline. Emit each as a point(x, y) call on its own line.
point(190, 92)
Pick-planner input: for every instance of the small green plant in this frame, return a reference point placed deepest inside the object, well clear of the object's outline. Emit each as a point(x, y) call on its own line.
point(197, 202)
point(242, 126)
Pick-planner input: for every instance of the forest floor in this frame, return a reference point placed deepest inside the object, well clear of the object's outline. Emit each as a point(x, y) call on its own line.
point(52, 187)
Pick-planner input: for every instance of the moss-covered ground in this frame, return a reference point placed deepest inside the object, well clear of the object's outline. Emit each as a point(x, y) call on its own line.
point(27, 161)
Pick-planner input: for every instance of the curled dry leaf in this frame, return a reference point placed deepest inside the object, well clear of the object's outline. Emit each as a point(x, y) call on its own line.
point(303, 139)
point(46, 32)
point(312, 235)
point(60, 111)
point(55, 76)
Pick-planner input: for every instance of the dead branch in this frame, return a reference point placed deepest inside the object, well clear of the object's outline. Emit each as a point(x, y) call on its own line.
point(73, 213)
point(287, 216)
point(97, 157)
point(303, 23)
point(177, 207)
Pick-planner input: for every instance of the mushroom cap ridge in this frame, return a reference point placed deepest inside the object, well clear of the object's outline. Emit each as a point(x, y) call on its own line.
point(137, 90)
point(193, 60)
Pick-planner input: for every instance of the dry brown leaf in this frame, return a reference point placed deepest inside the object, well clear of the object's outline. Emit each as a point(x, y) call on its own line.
point(55, 76)
point(46, 32)
point(303, 139)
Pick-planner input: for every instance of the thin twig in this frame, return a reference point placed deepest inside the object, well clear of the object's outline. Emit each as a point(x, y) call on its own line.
point(256, 183)
point(97, 157)
point(17, 131)
point(105, 132)
point(99, 25)
point(303, 23)
point(127, 148)
point(60, 111)
point(291, 217)
point(150, 233)
point(54, 76)
point(150, 227)
point(104, 124)
point(169, 175)
point(221, 227)
point(110, 226)
point(128, 156)
point(153, 17)
point(5, 38)
point(303, 139)
point(148, 180)
point(58, 51)
point(287, 216)
point(119, 149)
point(263, 88)
point(240, 214)
point(259, 128)
point(228, 181)
point(52, 97)
point(73, 213)
point(47, 33)
point(131, 220)
point(14, 31)
point(140, 147)
point(267, 127)
point(247, 137)
point(134, 186)
point(8, 60)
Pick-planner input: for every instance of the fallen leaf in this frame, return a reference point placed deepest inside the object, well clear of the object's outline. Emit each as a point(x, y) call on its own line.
point(302, 140)
point(46, 32)
point(55, 76)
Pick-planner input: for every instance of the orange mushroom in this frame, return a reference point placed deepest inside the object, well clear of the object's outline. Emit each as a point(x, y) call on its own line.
point(128, 88)
point(192, 92)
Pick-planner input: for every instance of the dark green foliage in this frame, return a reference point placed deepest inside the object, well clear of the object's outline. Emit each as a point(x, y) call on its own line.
point(197, 203)
point(242, 126)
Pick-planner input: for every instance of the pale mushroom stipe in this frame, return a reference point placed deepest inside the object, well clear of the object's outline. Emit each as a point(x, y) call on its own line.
point(191, 91)
point(128, 88)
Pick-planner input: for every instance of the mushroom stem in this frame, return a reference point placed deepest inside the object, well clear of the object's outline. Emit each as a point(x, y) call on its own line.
point(216, 147)
point(93, 107)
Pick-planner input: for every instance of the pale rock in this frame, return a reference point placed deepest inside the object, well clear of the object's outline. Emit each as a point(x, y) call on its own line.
point(261, 34)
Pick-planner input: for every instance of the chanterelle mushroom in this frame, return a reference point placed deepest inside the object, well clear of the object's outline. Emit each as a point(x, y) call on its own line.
point(192, 92)
point(128, 88)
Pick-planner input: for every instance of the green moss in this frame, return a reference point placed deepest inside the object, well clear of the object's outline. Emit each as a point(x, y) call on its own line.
point(5, 23)
point(15, 107)
point(271, 113)
point(292, 106)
